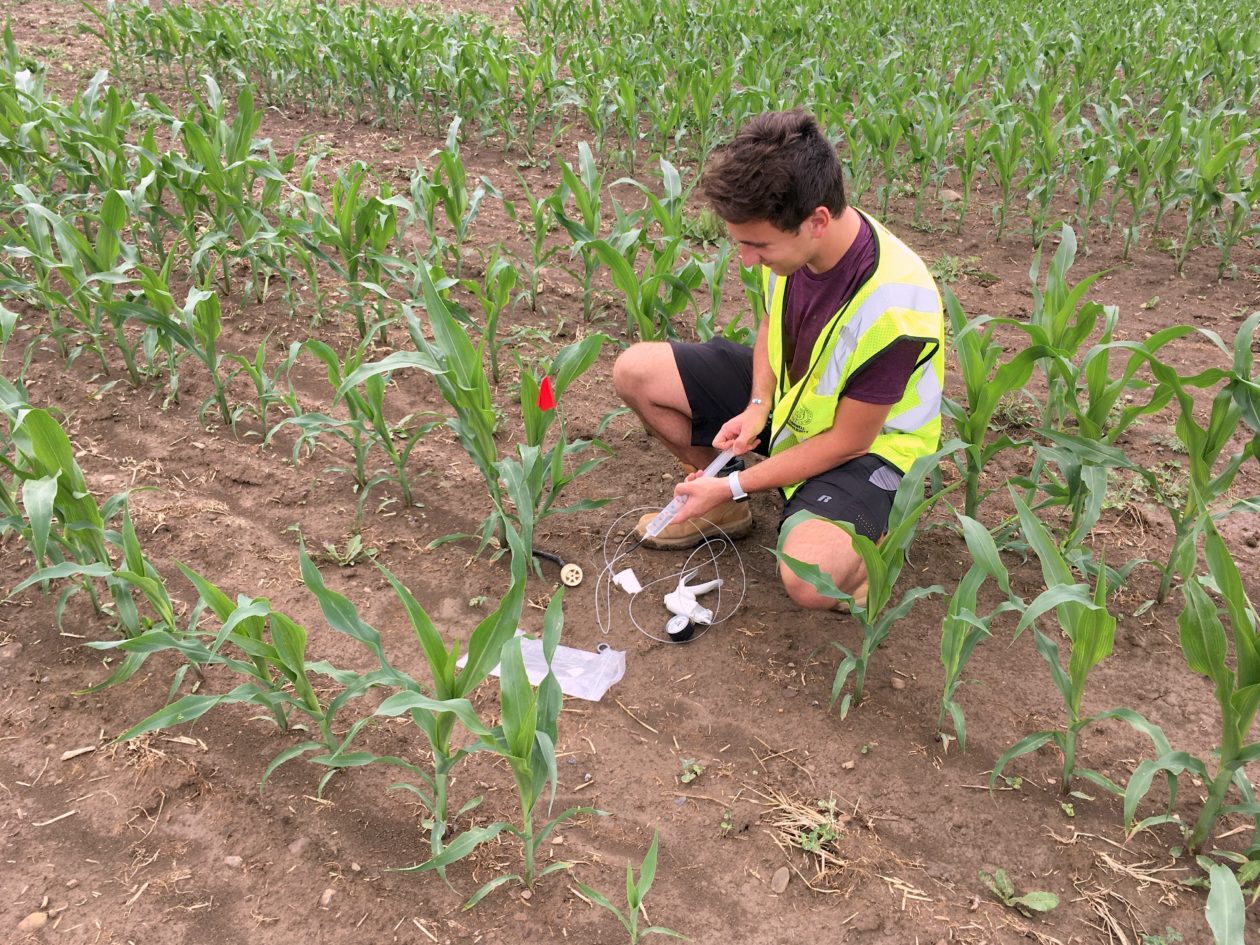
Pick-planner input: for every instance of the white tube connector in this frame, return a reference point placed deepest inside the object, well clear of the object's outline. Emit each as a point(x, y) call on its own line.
point(628, 581)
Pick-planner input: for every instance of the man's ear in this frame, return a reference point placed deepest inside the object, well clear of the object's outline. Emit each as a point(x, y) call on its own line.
point(818, 221)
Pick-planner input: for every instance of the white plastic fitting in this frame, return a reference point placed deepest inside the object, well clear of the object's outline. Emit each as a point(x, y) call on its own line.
point(628, 581)
point(682, 599)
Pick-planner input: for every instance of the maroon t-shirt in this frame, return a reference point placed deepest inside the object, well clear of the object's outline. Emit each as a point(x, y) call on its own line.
point(812, 299)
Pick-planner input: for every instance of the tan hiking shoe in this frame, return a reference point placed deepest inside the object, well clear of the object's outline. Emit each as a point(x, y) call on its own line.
point(730, 520)
point(859, 597)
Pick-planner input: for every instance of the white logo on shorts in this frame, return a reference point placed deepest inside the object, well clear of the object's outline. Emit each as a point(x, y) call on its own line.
point(824, 498)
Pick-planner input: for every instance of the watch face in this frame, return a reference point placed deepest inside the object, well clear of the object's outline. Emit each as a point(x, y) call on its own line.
point(679, 628)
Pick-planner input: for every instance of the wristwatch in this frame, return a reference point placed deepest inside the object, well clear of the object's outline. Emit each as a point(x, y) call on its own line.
point(737, 490)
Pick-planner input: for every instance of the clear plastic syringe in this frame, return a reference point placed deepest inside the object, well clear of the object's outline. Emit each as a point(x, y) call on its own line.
point(666, 515)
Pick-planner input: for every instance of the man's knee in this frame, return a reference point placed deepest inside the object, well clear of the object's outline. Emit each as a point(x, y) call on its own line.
point(629, 370)
point(637, 366)
point(828, 546)
point(801, 592)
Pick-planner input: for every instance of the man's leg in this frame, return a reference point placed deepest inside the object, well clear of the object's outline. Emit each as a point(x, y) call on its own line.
point(647, 381)
point(683, 394)
point(825, 544)
point(859, 493)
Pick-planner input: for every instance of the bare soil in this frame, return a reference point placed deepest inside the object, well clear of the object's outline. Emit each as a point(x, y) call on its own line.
point(169, 839)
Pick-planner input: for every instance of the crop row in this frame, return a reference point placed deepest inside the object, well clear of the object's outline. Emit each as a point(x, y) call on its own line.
point(1127, 112)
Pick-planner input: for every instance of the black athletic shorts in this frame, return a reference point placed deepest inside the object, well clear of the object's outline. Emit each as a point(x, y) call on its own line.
point(717, 378)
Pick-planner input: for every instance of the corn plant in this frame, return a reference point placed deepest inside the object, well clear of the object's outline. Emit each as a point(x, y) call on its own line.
point(636, 891)
point(585, 187)
point(277, 674)
point(436, 715)
point(366, 425)
point(1062, 320)
point(1211, 470)
point(964, 629)
point(450, 187)
point(494, 293)
point(457, 367)
point(883, 562)
point(526, 739)
point(534, 480)
point(86, 267)
point(1204, 644)
point(362, 230)
point(59, 517)
point(1091, 630)
point(985, 384)
point(713, 271)
point(536, 230)
point(266, 383)
point(666, 287)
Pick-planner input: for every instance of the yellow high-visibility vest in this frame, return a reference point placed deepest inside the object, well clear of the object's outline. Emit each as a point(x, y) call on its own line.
point(899, 301)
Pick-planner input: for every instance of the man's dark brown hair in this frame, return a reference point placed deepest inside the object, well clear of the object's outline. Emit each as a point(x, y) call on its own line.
point(779, 167)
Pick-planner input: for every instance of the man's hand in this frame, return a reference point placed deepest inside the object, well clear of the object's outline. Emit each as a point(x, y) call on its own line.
point(742, 432)
point(704, 494)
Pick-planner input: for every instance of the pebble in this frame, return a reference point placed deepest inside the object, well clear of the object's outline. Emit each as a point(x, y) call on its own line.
point(298, 846)
point(779, 881)
point(72, 883)
point(33, 922)
point(898, 683)
point(355, 868)
point(327, 897)
point(951, 196)
point(848, 766)
point(526, 895)
point(11, 651)
point(232, 861)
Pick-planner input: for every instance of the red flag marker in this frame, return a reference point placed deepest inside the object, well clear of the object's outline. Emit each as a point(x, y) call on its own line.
point(546, 399)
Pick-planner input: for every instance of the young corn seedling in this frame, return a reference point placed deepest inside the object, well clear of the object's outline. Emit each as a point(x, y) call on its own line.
point(636, 892)
point(526, 739)
point(963, 629)
point(713, 271)
point(1091, 630)
point(362, 231)
point(883, 563)
point(535, 478)
point(277, 674)
point(1062, 321)
point(494, 293)
point(450, 186)
point(1204, 644)
point(267, 393)
point(536, 230)
point(585, 187)
point(457, 367)
point(365, 402)
point(59, 516)
point(436, 715)
point(666, 287)
point(985, 383)
point(1211, 471)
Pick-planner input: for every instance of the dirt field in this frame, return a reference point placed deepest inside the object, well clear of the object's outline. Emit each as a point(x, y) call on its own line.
point(169, 839)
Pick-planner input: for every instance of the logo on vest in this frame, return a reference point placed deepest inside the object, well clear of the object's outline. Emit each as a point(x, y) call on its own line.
point(801, 419)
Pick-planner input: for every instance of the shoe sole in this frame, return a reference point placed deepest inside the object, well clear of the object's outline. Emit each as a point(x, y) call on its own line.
point(734, 533)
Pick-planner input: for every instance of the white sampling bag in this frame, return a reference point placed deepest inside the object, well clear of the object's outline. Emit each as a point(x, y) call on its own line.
point(581, 673)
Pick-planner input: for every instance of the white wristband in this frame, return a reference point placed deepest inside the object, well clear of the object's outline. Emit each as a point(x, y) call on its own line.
point(737, 490)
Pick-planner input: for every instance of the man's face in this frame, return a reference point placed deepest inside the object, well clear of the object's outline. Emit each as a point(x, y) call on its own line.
point(761, 243)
